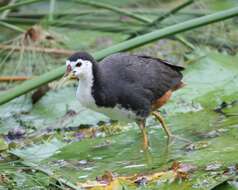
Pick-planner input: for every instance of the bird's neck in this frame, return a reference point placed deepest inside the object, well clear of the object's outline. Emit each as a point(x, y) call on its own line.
point(88, 77)
point(84, 90)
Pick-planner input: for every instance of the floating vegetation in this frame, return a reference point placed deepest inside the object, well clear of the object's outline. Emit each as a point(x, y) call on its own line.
point(49, 141)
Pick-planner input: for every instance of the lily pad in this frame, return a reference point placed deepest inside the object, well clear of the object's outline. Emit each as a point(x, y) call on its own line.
point(37, 153)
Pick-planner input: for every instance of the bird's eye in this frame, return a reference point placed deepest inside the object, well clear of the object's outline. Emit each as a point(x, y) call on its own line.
point(78, 64)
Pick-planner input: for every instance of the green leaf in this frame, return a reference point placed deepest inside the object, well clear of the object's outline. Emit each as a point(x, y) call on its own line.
point(3, 145)
point(37, 153)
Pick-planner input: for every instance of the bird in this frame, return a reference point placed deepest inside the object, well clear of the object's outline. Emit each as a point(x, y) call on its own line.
point(125, 87)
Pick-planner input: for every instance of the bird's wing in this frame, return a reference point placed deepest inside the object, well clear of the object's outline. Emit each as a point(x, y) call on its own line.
point(176, 67)
point(154, 74)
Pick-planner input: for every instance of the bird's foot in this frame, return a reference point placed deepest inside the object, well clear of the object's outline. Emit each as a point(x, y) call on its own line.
point(172, 138)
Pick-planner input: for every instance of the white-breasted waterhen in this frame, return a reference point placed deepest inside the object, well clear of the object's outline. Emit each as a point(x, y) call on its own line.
point(125, 87)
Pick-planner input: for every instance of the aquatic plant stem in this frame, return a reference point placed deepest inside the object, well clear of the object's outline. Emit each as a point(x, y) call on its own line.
point(172, 11)
point(55, 51)
point(51, 10)
point(6, 12)
point(16, 5)
point(13, 78)
point(114, 9)
point(11, 26)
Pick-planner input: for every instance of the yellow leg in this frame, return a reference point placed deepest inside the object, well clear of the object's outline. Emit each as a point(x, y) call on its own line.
point(166, 128)
point(161, 120)
point(144, 133)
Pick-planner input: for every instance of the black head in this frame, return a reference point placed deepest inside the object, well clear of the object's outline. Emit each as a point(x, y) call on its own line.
point(79, 65)
point(81, 55)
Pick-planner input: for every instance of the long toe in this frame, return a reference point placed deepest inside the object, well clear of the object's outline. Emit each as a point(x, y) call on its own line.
point(173, 138)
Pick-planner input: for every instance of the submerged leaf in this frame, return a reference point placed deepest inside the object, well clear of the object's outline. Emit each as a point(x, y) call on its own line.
point(3, 145)
point(196, 146)
point(37, 153)
point(213, 166)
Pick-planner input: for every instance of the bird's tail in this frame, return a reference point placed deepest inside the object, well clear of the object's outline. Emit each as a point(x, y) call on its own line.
point(178, 86)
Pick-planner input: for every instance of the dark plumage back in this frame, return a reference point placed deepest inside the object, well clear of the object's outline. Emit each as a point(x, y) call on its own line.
point(133, 81)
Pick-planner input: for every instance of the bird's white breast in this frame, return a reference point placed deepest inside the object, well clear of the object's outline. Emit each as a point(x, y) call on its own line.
point(84, 95)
